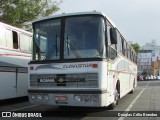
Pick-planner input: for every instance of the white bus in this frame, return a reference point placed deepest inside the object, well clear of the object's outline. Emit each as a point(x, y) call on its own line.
point(15, 53)
point(80, 59)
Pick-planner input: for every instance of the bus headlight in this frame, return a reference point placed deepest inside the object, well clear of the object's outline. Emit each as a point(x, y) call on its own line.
point(39, 97)
point(46, 97)
point(77, 98)
point(33, 97)
point(86, 98)
point(95, 98)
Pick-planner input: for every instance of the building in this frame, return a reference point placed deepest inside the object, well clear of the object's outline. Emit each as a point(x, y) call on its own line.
point(151, 46)
point(155, 55)
point(148, 59)
point(155, 70)
point(145, 61)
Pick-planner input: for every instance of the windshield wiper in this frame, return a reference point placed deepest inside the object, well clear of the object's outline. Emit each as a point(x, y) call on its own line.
point(72, 49)
point(56, 46)
point(51, 51)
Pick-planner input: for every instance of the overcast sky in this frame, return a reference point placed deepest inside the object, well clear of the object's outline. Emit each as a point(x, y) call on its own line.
point(138, 20)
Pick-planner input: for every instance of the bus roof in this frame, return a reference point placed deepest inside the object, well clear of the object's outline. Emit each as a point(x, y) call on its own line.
point(14, 28)
point(76, 13)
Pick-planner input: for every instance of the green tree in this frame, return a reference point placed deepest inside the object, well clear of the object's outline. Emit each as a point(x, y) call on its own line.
point(136, 47)
point(18, 12)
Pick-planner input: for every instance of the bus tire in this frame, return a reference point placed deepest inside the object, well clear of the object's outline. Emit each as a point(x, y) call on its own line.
point(113, 105)
point(116, 97)
point(118, 88)
point(132, 91)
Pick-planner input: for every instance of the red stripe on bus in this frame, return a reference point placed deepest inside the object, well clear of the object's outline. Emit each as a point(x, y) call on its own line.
point(14, 55)
point(11, 71)
point(7, 71)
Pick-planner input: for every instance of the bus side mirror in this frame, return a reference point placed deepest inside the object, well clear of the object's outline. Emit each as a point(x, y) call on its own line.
point(113, 35)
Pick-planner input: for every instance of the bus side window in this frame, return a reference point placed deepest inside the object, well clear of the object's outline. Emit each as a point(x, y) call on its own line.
point(112, 53)
point(2, 37)
point(131, 55)
point(24, 42)
point(9, 38)
point(108, 36)
point(128, 51)
point(125, 48)
point(15, 40)
point(123, 45)
point(119, 44)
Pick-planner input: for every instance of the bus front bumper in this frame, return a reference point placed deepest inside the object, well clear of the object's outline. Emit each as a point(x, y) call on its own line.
point(74, 97)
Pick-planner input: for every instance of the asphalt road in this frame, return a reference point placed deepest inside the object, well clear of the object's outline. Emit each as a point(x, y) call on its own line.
point(145, 98)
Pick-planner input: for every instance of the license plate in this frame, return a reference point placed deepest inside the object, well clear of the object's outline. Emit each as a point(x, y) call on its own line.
point(60, 98)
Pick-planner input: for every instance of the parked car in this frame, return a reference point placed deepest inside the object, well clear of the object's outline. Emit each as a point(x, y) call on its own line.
point(140, 78)
point(154, 77)
point(158, 77)
point(147, 77)
point(151, 77)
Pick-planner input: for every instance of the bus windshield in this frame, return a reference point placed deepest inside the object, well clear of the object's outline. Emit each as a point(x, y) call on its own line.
point(47, 39)
point(83, 37)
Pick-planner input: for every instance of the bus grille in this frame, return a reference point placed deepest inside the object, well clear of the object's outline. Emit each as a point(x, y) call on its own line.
point(86, 80)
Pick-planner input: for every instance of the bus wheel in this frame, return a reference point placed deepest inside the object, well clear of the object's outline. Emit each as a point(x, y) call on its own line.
point(116, 97)
point(132, 91)
point(118, 89)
